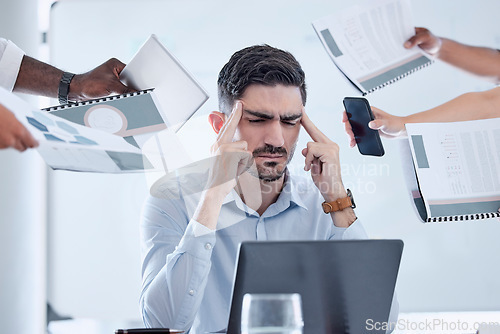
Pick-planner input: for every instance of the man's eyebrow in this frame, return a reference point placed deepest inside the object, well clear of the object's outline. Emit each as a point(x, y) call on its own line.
point(291, 117)
point(259, 114)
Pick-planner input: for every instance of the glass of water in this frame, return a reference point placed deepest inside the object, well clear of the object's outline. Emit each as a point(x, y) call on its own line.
point(272, 314)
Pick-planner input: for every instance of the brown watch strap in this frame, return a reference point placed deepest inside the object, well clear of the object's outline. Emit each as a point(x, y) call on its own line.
point(337, 205)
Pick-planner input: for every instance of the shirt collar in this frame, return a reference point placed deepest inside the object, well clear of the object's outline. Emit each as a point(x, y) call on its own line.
point(289, 196)
point(290, 193)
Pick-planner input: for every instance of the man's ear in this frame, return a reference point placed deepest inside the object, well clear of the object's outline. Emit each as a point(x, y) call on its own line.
point(216, 120)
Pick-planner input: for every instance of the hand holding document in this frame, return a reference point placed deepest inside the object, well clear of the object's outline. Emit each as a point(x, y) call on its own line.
point(366, 43)
point(169, 96)
point(69, 146)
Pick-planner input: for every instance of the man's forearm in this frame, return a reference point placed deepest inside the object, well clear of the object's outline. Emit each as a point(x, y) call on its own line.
point(208, 210)
point(170, 299)
point(37, 78)
point(344, 218)
point(175, 262)
point(481, 61)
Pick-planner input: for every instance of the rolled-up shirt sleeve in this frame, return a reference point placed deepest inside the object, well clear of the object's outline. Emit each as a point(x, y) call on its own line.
point(11, 57)
point(176, 264)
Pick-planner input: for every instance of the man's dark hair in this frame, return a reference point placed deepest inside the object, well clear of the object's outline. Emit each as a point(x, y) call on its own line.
point(258, 64)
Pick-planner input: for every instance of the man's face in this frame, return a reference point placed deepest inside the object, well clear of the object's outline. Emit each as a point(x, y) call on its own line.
point(270, 124)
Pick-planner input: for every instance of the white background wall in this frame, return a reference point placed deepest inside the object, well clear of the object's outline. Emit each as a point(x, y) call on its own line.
point(94, 264)
point(22, 204)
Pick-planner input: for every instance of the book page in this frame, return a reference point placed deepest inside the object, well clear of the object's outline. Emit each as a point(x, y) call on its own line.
point(458, 165)
point(366, 42)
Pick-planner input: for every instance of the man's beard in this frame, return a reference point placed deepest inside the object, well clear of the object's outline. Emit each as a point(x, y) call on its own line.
point(272, 171)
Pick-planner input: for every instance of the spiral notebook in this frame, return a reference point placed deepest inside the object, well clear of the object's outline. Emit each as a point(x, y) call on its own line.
point(126, 115)
point(365, 42)
point(168, 97)
point(455, 170)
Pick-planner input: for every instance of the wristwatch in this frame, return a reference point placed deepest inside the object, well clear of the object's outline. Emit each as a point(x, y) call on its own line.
point(64, 87)
point(340, 203)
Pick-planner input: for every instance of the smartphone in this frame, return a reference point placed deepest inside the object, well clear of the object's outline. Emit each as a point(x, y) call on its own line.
point(360, 114)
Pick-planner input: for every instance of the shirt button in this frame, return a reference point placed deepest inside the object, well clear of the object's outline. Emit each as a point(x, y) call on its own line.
point(191, 292)
point(208, 246)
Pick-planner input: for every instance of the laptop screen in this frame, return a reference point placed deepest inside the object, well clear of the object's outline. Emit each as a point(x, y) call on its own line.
point(344, 285)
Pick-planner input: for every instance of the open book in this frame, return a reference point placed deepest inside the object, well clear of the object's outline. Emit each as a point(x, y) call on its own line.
point(457, 168)
point(366, 43)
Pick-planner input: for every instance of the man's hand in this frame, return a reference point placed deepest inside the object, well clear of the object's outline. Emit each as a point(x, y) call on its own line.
point(322, 159)
point(389, 126)
point(102, 81)
point(230, 161)
point(425, 40)
point(13, 133)
point(231, 158)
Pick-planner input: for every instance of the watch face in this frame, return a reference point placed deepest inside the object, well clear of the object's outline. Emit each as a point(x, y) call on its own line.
point(349, 194)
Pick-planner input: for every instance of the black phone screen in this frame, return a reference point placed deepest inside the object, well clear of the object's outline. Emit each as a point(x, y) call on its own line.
point(360, 114)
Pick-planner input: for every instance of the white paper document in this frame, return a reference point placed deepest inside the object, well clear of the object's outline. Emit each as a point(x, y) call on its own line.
point(177, 93)
point(366, 43)
point(68, 146)
point(457, 166)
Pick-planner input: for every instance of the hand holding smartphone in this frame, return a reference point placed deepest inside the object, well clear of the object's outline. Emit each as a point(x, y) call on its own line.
point(360, 114)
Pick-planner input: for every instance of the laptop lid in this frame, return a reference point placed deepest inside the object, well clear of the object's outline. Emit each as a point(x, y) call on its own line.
point(342, 284)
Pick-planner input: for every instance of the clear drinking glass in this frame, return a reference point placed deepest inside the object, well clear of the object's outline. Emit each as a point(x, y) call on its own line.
point(271, 314)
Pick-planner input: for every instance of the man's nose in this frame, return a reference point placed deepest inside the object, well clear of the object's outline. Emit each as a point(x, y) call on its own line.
point(274, 134)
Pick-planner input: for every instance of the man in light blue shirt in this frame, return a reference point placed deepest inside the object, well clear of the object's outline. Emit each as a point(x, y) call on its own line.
point(192, 226)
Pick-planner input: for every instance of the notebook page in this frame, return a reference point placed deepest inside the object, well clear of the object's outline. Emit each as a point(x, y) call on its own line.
point(366, 42)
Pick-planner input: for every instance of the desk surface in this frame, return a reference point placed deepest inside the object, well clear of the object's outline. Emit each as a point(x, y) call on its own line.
point(408, 323)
